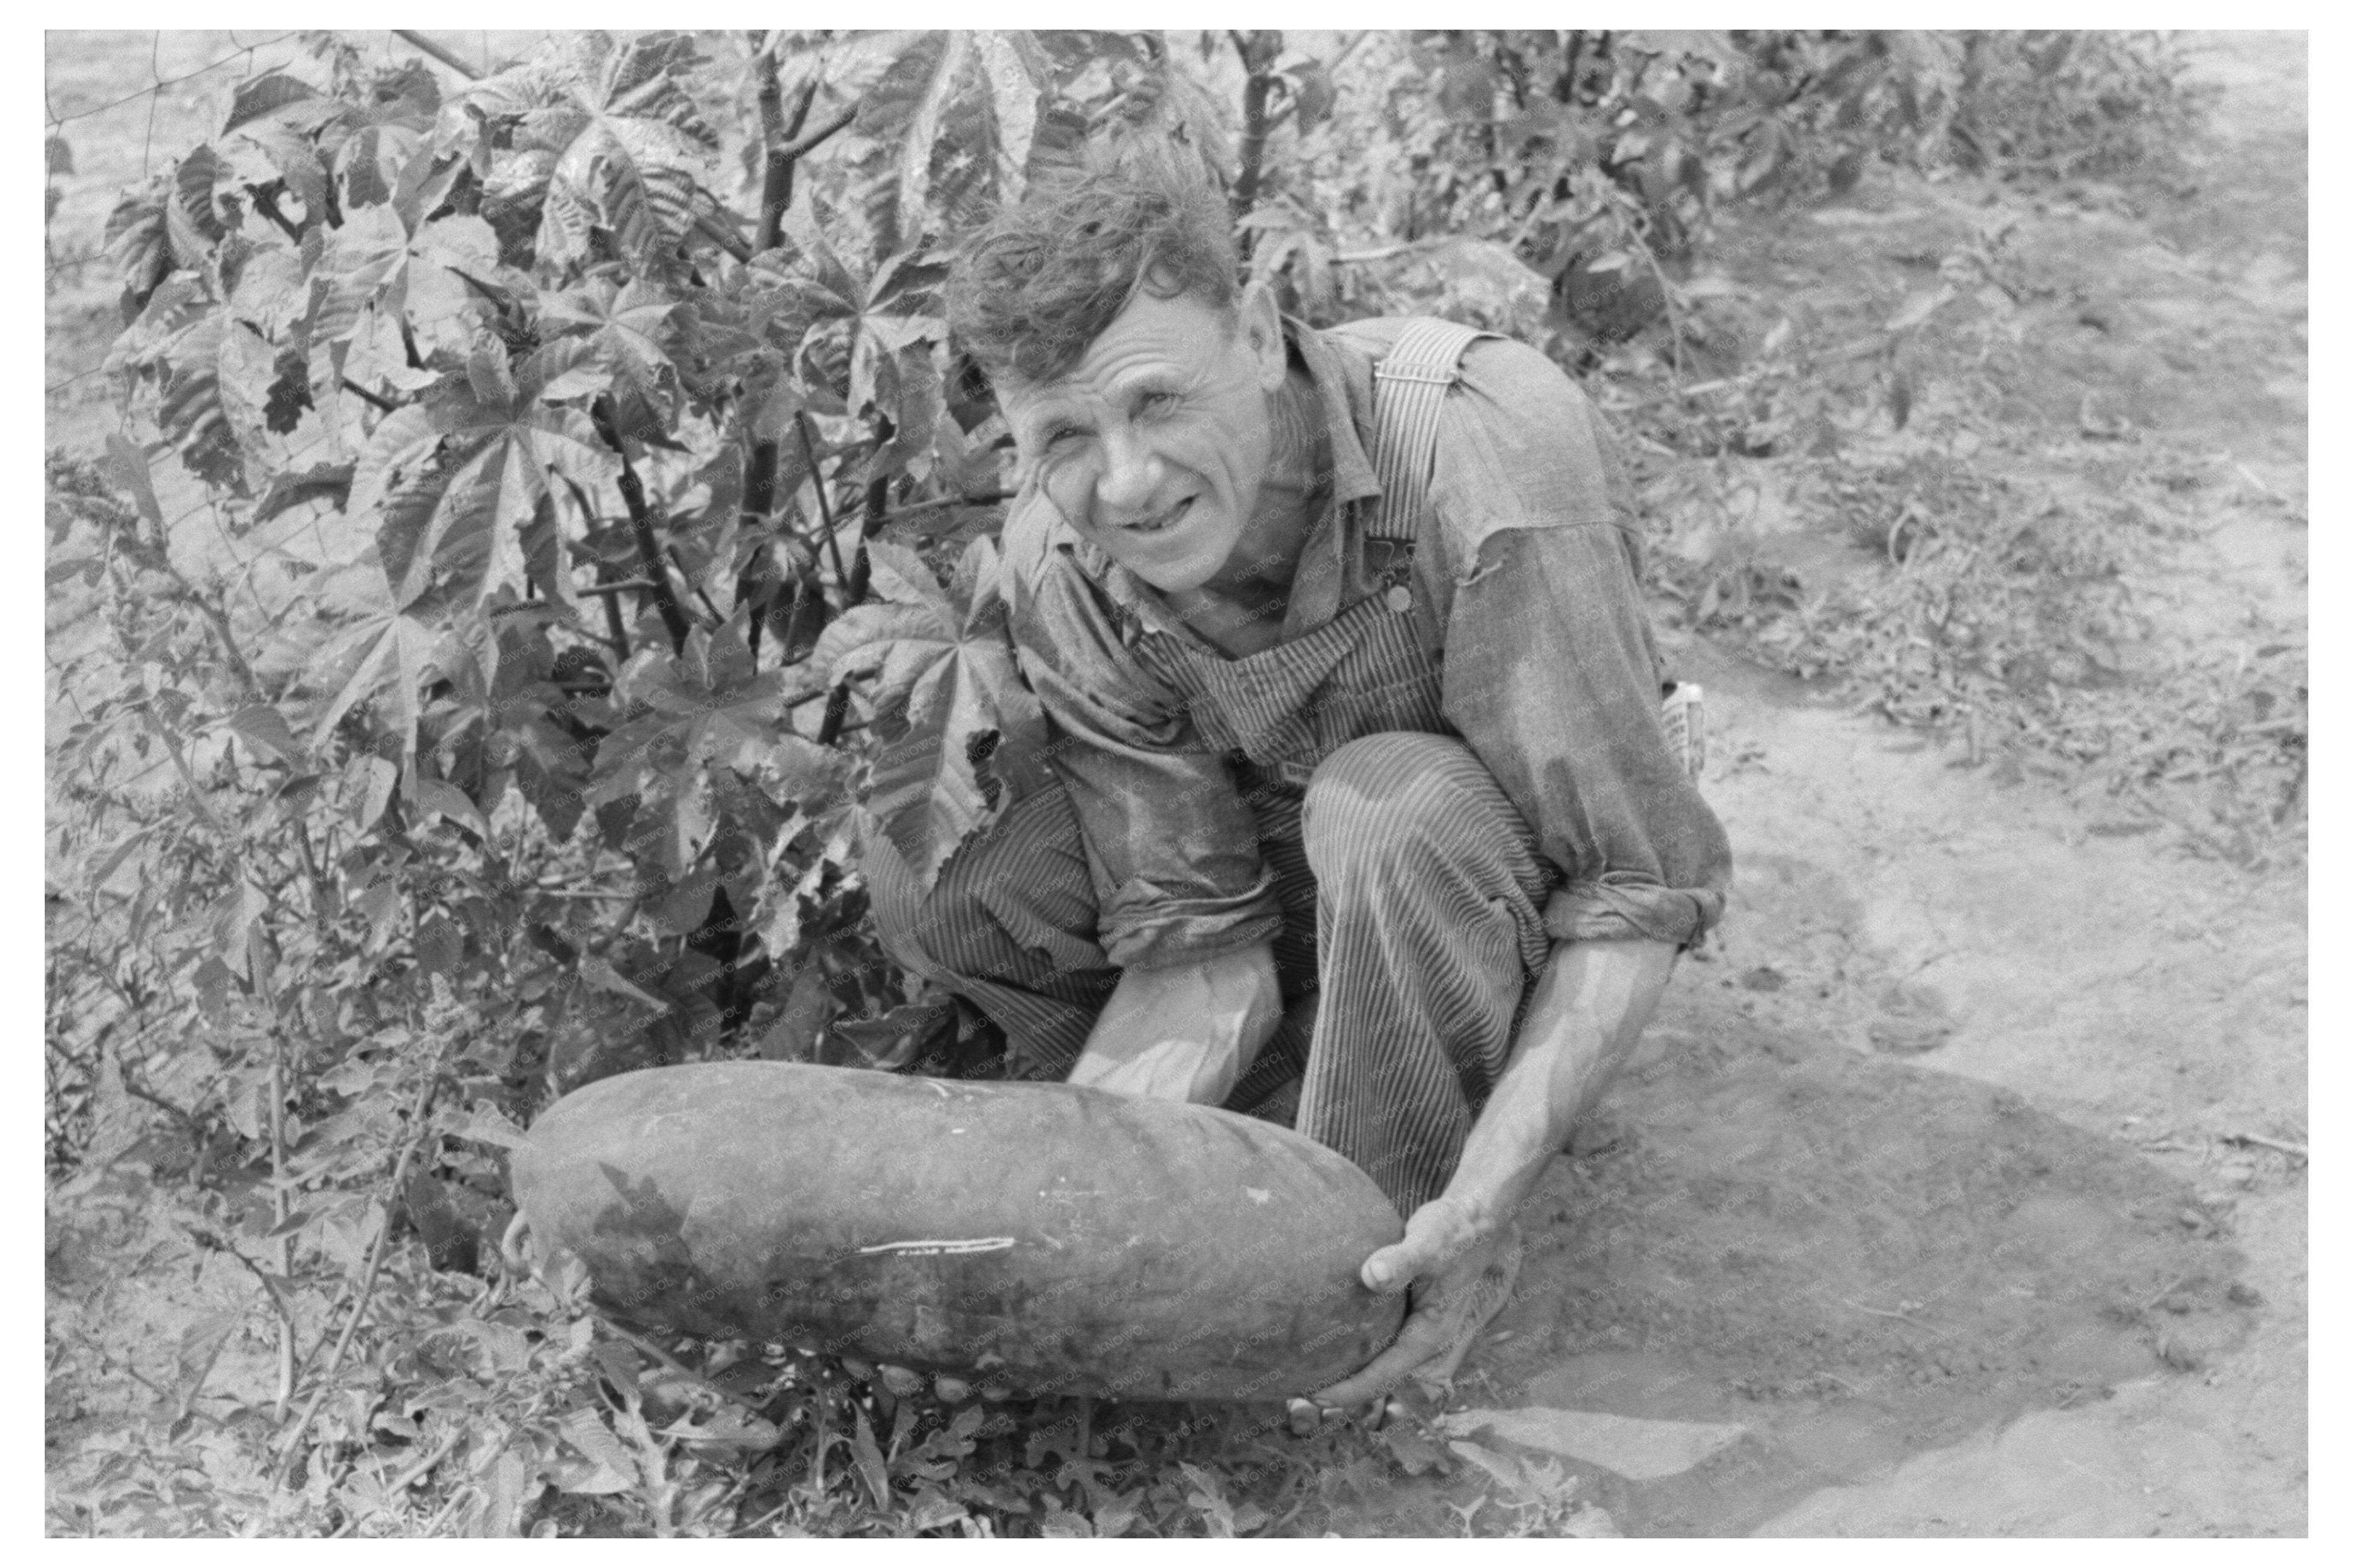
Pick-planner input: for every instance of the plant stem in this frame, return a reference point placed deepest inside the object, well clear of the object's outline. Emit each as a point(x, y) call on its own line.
point(822, 134)
point(986, 498)
point(641, 525)
point(427, 46)
point(381, 405)
point(862, 573)
point(777, 129)
point(1666, 298)
point(172, 747)
point(284, 1243)
point(717, 620)
point(824, 504)
point(719, 236)
point(365, 1291)
point(157, 558)
point(1255, 56)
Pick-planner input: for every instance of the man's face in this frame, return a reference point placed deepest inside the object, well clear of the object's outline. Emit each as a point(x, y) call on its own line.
point(1153, 446)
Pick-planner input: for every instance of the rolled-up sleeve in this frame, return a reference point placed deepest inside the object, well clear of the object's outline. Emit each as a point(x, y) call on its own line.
point(1174, 850)
point(1550, 674)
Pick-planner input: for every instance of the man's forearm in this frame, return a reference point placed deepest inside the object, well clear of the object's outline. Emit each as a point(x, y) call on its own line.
point(1188, 1031)
point(1591, 1005)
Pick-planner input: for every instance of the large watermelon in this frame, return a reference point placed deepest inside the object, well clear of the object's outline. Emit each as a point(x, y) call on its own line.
point(1058, 1238)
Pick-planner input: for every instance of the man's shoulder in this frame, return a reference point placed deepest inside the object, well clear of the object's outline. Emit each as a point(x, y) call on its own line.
point(1511, 382)
point(1489, 355)
point(1519, 443)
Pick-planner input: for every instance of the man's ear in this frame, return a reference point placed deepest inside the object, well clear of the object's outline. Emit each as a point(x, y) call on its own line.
point(1260, 323)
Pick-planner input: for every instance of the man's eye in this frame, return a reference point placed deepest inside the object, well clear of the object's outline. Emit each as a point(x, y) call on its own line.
point(1156, 402)
point(1062, 436)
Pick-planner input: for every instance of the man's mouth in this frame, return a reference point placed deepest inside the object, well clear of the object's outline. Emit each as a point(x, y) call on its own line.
point(1160, 521)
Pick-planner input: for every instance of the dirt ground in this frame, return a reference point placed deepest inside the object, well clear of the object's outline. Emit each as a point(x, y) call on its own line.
point(2020, 1282)
point(1921, 1212)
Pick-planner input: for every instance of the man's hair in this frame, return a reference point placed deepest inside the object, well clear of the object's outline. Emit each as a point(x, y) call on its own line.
point(1041, 282)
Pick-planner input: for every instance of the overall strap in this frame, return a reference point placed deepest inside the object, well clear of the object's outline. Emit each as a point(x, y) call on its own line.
point(1408, 384)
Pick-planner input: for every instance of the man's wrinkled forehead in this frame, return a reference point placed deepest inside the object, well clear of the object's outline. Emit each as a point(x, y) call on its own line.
point(1160, 351)
point(1066, 365)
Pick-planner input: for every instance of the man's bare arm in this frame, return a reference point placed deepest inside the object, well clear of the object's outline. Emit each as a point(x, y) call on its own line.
point(1588, 1013)
point(1188, 1031)
point(1591, 1005)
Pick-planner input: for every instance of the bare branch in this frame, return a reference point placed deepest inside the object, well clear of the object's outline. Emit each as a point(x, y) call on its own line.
point(428, 47)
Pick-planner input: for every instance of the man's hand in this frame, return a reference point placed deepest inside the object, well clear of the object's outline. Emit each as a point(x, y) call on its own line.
point(1586, 1013)
point(1460, 1274)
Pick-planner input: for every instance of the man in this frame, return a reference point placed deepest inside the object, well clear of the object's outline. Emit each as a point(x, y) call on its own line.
point(1392, 788)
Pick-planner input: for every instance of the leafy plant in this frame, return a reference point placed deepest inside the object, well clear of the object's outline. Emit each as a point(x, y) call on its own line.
point(2060, 104)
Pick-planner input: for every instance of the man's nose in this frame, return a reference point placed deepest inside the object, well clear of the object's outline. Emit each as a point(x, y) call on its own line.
point(1129, 478)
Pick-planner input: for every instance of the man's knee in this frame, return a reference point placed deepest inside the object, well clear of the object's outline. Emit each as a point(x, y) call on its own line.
point(1014, 904)
point(920, 932)
point(1382, 793)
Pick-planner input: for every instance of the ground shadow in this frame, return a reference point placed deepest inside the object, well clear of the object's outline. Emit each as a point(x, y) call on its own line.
point(1852, 1257)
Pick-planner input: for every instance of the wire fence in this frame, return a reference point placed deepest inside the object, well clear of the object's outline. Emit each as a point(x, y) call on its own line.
point(244, 57)
point(245, 52)
point(56, 123)
point(105, 136)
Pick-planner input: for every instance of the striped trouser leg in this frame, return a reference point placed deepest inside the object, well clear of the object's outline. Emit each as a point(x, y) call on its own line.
point(1429, 925)
point(1010, 928)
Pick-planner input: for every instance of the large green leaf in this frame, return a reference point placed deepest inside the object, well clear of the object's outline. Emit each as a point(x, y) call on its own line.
point(604, 135)
point(631, 328)
point(703, 709)
point(375, 260)
point(948, 678)
point(880, 327)
point(138, 241)
point(371, 138)
point(464, 470)
point(266, 96)
point(956, 107)
point(393, 650)
point(181, 346)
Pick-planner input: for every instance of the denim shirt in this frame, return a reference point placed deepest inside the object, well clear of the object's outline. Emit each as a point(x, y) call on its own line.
point(1514, 622)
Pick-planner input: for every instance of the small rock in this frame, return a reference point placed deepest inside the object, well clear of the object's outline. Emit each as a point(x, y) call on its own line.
point(1765, 977)
point(1909, 1036)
